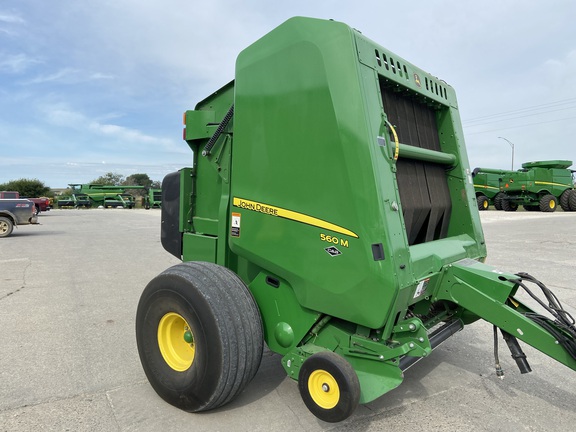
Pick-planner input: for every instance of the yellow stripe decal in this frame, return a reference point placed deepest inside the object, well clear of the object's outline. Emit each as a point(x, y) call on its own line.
point(553, 184)
point(291, 215)
point(486, 187)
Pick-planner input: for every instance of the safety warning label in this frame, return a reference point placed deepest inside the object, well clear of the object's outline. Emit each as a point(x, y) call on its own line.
point(235, 225)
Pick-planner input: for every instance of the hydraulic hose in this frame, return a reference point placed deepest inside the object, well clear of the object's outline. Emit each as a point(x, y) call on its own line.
point(397, 149)
point(219, 130)
point(517, 353)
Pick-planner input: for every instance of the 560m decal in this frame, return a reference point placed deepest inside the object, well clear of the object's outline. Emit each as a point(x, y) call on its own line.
point(333, 239)
point(291, 215)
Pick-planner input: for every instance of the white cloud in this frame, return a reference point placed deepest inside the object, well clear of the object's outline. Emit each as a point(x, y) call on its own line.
point(10, 18)
point(61, 115)
point(560, 74)
point(60, 76)
point(111, 136)
point(8, 22)
point(67, 76)
point(16, 63)
point(125, 134)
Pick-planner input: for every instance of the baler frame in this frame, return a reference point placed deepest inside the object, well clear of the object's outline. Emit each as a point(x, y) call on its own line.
point(384, 206)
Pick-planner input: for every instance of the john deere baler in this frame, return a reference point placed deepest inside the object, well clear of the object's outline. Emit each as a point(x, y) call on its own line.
point(330, 212)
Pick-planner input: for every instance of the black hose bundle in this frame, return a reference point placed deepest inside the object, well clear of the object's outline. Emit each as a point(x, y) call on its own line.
point(562, 327)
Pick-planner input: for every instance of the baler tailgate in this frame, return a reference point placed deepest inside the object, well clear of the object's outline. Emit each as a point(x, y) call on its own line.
point(423, 185)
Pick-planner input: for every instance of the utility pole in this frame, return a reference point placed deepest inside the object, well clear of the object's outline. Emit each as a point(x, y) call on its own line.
point(511, 145)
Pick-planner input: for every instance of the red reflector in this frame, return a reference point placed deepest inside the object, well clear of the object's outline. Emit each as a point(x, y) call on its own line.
point(184, 134)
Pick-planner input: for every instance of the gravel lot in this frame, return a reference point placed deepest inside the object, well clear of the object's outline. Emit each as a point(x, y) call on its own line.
point(69, 288)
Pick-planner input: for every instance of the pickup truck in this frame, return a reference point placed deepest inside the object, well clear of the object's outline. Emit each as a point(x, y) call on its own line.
point(41, 204)
point(14, 212)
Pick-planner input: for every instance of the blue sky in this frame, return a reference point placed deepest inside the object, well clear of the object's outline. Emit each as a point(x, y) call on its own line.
point(96, 86)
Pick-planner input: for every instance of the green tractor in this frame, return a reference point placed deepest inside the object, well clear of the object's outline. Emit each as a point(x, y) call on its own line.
point(538, 186)
point(330, 212)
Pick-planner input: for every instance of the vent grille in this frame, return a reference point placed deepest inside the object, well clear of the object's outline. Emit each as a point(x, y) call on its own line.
point(436, 88)
point(388, 63)
point(392, 65)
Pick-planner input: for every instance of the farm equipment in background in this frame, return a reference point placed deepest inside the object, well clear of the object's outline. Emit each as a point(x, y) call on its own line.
point(153, 199)
point(541, 185)
point(329, 211)
point(487, 186)
point(74, 200)
point(107, 196)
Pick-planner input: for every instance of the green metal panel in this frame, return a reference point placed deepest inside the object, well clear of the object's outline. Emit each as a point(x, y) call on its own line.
point(308, 117)
point(210, 176)
point(201, 247)
point(560, 164)
point(487, 183)
point(285, 321)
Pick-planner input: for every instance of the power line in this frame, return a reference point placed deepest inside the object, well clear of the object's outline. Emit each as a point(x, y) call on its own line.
point(520, 116)
point(522, 110)
point(520, 126)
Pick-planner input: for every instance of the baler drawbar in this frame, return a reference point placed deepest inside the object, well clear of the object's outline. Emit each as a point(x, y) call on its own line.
point(330, 212)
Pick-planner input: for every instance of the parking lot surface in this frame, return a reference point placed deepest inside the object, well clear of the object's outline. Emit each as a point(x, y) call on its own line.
point(69, 289)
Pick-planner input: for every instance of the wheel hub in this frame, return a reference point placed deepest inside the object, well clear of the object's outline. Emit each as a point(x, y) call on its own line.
point(323, 389)
point(176, 341)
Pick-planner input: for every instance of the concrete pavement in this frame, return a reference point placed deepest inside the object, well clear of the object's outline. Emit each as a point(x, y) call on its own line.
point(68, 360)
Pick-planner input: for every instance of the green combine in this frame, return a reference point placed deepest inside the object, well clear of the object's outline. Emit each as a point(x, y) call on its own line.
point(329, 211)
point(538, 186)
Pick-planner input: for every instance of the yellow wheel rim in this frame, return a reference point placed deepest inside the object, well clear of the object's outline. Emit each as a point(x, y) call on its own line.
point(552, 204)
point(176, 341)
point(323, 389)
point(485, 204)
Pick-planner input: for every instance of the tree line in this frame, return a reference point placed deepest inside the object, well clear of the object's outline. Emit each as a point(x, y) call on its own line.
point(34, 188)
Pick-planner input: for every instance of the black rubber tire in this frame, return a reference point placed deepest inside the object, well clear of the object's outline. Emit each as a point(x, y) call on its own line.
point(548, 203)
point(572, 200)
point(483, 202)
point(565, 200)
point(344, 376)
point(498, 201)
point(509, 206)
point(6, 226)
point(227, 329)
